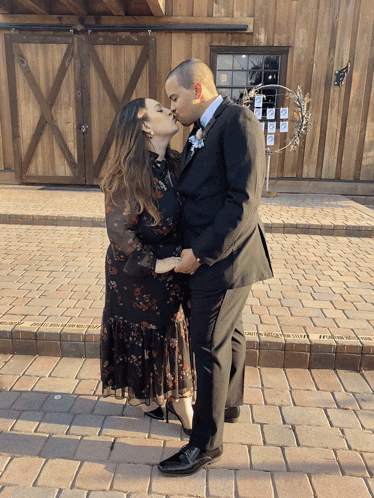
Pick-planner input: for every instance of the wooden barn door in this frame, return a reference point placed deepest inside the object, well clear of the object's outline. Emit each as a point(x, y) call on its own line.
point(122, 68)
point(42, 79)
point(65, 93)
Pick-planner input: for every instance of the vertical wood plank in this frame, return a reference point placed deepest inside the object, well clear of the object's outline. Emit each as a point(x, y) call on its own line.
point(7, 148)
point(251, 8)
point(358, 76)
point(306, 22)
point(11, 71)
point(364, 170)
point(282, 23)
point(223, 8)
point(308, 68)
point(152, 67)
point(163, 65)
point(322, 73)
point(199, 47)
point(83, 113)
point(335, 109)
point(2, 162)
point(347, 92)
point(200, 8)
point(240, 8)
point(264, 22)
point(210, 7)
point(287, 41)
point(179, 53)
point(183, 8)
point(260, 34)
point(367, 168)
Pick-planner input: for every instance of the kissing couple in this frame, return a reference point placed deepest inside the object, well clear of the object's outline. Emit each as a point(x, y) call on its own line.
point(186, 244)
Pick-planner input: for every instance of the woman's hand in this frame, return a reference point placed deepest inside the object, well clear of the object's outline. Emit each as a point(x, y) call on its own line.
point(167, 264)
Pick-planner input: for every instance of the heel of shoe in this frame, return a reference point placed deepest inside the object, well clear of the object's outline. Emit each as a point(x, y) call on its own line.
point(170, 408)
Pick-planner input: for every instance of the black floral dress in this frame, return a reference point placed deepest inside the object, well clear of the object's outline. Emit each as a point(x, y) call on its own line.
point(145, 351)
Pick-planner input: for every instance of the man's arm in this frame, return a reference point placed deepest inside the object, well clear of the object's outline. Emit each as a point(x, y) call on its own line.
point(244, 155)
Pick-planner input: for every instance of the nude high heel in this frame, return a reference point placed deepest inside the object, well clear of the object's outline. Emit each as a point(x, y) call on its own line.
point(170, 409)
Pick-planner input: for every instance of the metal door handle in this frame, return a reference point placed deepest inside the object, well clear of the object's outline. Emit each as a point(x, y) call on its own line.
point(82, 127)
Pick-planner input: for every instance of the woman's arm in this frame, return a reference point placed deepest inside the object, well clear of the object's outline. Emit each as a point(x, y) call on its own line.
point(122, 227)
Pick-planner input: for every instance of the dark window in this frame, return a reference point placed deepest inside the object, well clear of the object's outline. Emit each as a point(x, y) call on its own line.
point(240, 68)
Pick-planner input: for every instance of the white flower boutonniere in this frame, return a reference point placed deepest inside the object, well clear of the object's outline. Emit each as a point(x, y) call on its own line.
point(197, 140)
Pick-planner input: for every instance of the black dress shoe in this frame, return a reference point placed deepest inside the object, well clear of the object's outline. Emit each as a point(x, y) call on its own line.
point(189, 460)
point(157, 413)
point(232, 414)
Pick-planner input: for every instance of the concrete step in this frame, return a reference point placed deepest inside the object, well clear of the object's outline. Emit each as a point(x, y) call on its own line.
point(285, 213)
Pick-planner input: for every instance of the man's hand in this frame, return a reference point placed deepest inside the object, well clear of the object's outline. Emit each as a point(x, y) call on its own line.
point(189, 263)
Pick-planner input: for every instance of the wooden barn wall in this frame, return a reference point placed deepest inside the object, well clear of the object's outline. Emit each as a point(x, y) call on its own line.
point(322, 35)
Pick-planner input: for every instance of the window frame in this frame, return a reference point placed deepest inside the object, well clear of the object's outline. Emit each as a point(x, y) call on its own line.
point(253, 50)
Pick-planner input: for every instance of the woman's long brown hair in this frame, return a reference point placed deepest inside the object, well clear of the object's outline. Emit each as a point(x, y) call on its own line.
point(130, 171)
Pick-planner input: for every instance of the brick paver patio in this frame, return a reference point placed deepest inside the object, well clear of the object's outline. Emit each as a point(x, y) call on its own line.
point(318, 310)
point(302, 434)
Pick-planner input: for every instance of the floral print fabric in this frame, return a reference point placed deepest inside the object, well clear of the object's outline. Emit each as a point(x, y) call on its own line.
point(145, 349)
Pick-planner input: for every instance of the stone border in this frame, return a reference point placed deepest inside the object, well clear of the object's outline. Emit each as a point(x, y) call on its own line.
point(35, 219)
point(264, 349)
point(366, 231)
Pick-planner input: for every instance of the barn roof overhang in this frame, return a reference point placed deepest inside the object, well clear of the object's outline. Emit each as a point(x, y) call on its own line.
point(84, 7)
point(107, 15)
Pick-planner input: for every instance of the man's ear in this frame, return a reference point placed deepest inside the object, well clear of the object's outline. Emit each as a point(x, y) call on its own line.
point(198, 90)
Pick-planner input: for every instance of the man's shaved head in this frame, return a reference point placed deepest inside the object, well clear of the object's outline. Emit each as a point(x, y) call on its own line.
point(191, 89)
point(193, 71)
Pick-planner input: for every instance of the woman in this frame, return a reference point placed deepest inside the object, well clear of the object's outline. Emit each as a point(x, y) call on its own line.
point(145, 350)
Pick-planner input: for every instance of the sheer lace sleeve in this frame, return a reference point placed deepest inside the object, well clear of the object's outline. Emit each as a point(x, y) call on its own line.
point(122, 228)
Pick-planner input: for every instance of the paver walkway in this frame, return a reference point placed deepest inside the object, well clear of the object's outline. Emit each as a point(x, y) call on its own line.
point(317, 311)
point(302, 434)
point(286, 213)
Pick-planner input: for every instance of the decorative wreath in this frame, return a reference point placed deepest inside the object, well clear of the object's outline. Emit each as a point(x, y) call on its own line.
point(301, 113)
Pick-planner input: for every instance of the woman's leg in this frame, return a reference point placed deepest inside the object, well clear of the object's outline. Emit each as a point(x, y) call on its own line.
point(183, 407)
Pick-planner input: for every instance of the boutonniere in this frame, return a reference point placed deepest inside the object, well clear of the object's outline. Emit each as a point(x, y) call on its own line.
point(197, 140)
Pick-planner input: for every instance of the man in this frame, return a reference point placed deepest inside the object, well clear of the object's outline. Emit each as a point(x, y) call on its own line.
point(221, 180)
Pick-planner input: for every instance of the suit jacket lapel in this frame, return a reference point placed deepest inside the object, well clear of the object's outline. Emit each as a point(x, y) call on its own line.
point(186, 150)
point(187, 156)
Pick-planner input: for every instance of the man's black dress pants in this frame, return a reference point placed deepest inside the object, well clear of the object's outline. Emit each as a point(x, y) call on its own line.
point(218, 342)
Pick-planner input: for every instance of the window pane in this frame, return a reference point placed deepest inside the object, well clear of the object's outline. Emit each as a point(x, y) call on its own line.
point(241, 62)
point(272, 62)
point(224, 91)
point(270, 77)
point(237, 94)
point(224, 78)
point(255, 62)
point(270, 100)
point(254, 77)
point(238, 71)
point(224, 61)
point(239, 78)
